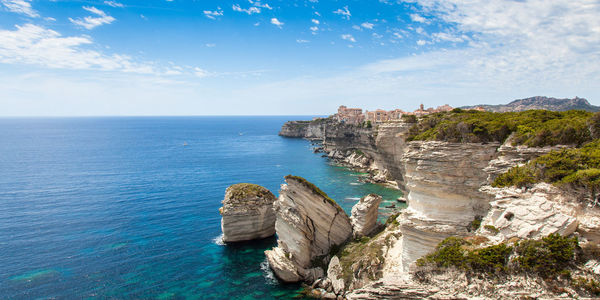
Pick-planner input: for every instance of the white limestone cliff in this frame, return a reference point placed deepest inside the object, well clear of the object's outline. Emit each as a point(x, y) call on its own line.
point(247, 213)
point(308, 225)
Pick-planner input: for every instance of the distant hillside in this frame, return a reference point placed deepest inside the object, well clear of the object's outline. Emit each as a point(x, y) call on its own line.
point(540, 102)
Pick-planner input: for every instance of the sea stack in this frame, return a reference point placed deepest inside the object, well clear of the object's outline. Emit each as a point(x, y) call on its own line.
point(309, 224)
point(247, 213)
point(364, 215)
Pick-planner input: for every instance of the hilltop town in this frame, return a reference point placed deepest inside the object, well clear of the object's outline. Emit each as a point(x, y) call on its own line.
point(356, 115)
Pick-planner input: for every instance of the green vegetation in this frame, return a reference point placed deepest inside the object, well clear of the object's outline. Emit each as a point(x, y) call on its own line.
point(548, 257)
point(313, 188)
point(364, 253)
point(369, 125)
point(409, 118)
point(454, 252)
point(574, 167)
point(589, 286)
point(492, 228)
point(242, 191)
point(533, 128)
point(358, 152)
point(475, 224)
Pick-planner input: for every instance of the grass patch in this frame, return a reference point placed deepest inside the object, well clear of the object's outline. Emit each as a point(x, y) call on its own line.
point(312, 187)
point(242, 191)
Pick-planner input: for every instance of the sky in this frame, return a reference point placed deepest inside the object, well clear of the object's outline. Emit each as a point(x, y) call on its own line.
point(285, 57)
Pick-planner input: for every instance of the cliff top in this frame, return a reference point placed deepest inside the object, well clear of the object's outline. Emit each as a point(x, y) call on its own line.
point(534, 128)
point(312, 187)
point(247, 191)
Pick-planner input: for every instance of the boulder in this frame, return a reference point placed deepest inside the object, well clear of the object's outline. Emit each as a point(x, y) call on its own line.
point(247, 213)
point(364, 215)
point(335, 275)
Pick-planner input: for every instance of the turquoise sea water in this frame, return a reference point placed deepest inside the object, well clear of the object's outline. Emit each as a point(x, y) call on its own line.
point(128, 207)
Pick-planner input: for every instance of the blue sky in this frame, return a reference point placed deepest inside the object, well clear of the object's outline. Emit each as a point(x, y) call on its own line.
point(290, 57)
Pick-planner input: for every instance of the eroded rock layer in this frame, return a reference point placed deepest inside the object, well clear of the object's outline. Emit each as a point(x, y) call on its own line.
point(308, 225)
point(247, 213)
point(364, 215)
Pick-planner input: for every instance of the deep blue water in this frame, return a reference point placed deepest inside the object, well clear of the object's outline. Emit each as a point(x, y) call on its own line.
point(128, 207)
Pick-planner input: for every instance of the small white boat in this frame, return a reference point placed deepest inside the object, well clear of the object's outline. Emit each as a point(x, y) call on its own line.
point(185, 143)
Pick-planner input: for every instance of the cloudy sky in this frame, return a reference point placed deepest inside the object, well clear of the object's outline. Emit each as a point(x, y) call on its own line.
point(177, 57)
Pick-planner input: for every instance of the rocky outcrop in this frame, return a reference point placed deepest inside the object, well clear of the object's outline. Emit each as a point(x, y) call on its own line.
point(528, 214)
point(314, 129)
point(308, 225)
point(364, 215)
point(247, 213)
point(448, 186)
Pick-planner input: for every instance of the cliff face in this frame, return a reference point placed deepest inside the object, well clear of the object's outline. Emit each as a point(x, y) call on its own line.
point(444, 181)
point(448, 189)
point(247, 213)
point(308, 225)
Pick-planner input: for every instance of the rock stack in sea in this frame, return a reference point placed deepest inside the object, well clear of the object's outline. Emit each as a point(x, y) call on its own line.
point(309, 224)
point(247, 213)
point(364, 215)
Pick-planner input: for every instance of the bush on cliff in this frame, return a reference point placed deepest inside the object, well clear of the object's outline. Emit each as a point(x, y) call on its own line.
point(548, 257)
point(534, 128)
point(577, 168)
point(455, 252)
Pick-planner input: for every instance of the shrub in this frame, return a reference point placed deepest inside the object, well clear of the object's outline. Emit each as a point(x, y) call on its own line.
point(409, 118)
point(492, 228)
point(475, 224)
point(453, 252)
point(547, 257)
point(532, 127)
point(590, 286)
point(576, 167)
point(490, 259)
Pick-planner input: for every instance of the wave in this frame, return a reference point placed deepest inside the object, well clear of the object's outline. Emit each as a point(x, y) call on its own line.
point(356, 183)
point(268, 273)
point(219, 240)
point(352, 198)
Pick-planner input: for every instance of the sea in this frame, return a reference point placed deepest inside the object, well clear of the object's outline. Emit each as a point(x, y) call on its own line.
point(127, 207)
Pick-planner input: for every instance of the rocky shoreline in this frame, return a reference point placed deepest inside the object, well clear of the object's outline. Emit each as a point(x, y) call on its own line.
point(449, 194)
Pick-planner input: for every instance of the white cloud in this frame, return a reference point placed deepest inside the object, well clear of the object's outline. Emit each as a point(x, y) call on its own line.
point(250, 11)
point(418, 18)
point(91, 22)
point(210, 45)
point(35, 45)
point(21, 7)
point(258, 4)
point(315, 21)
point(345, 13)
point(276, 22)
point(367, 25)
point(444, 36)
point(213, 14)
point(114, 4)
point(201, 73)
point(421, 42)
point(300, 41)
point(348, 37)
